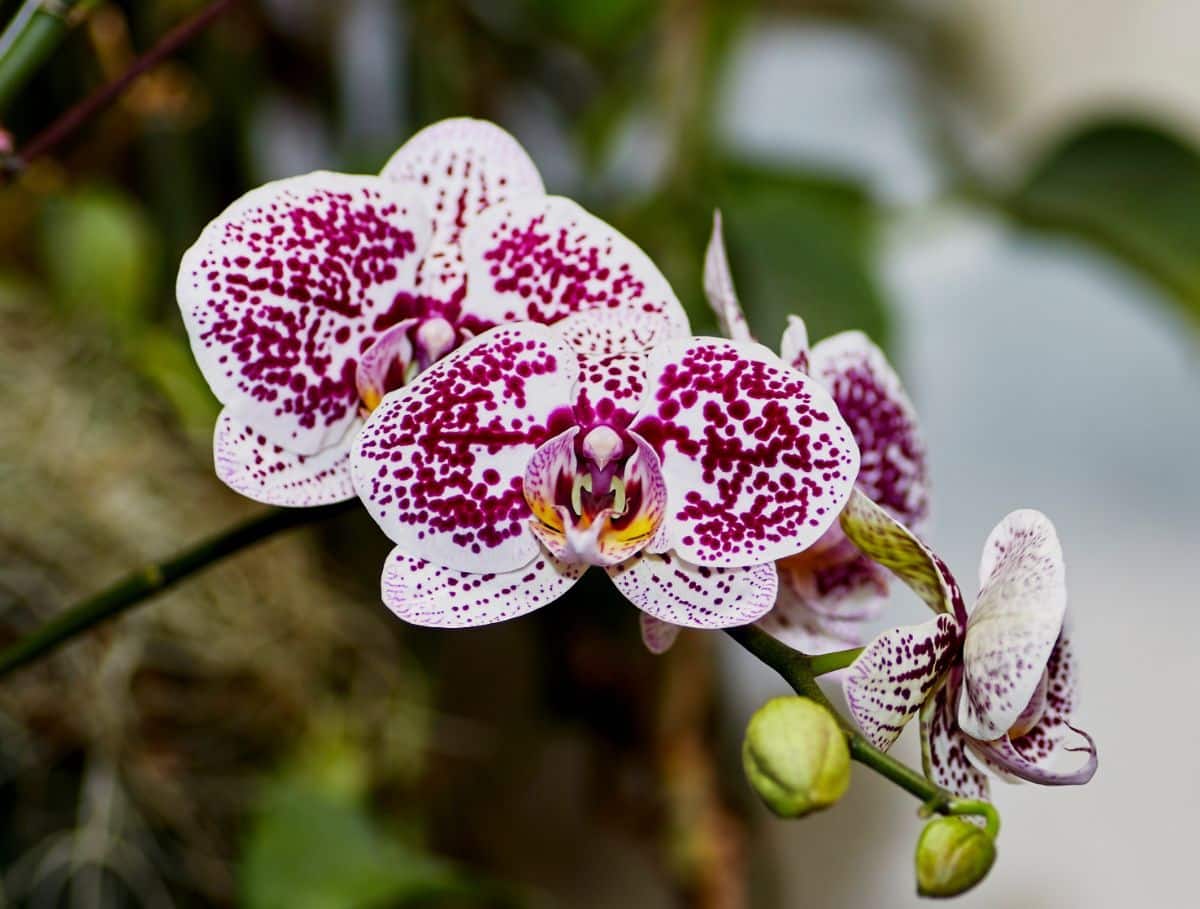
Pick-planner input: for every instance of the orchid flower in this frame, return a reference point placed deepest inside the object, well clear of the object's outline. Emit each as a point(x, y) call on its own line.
point(997, 681)
point(828, 591)
point(310, 298)
point(684, 467)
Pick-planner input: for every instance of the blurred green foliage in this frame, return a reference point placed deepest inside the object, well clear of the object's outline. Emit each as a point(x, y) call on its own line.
point(1134, 189)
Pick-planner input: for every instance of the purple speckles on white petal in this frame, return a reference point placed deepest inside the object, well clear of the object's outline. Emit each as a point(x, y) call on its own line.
point(256, 467)
point(944, 747)
point(426, 594)
point(680, 593)
point(758, 460)
point(793, 347)
point(440, 463)
point(280, 292)
point(895, 674)
point(543, 259)
point(872, 400)
point(1014, 624)
point(719, 289)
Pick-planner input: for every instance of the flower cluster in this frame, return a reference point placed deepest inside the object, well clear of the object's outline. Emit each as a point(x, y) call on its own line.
point(511, 388)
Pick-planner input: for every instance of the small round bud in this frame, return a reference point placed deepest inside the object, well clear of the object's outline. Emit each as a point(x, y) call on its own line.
point(795, 756)
point(953, 855)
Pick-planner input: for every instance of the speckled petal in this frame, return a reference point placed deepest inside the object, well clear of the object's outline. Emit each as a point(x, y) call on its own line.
point(872, 400)
point(1004, 757)
point(657, 635)
point(894, 675)
point(460, 167)
point(793, 347)
point(249, 463)
point(1014, 623)
point(422, 593)
point(543, 259)
point(1061, 700)
point(757, 458)
point(680, 593)
point(603, 333)
point(719, 289)
point(885, 540)
point(440, 463)
point(944, 748)
point(280, 293)
point(610, 389)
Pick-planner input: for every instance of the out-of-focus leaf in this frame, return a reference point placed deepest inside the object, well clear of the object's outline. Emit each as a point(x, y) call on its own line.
point(164, 359)
point(313, 845)
point(597, 24)
point(101, 256)
point(1133, 189)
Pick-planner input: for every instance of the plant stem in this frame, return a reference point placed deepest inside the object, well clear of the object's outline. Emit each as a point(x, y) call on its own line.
point(823, 663)
point(153, 579)
point(38, 37)
point(796, 668)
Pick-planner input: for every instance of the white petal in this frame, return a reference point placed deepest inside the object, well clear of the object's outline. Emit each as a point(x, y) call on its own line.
point(249, 463)
point(944, 748)
point(422, 593)
point(1014, 624)
point(657, 635)
point(718, 287)
point(793, 347)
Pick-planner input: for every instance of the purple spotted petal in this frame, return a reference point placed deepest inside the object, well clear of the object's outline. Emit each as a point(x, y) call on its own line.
point(1005, 758)
point(248, 463)
point(757, 458)
point(543, 259)
point(384, 364)
point(280, 292)
point(610, 389)
point(422, 593)
point(896, 672)
point(885, 540)
point(440, 463)
point(793, 347)
point(944, 747)
point(793, 622)
point(459, 167)
point(657, 635)
point(872, 400)
point(718, 287)
point(678, 592)
point(1012, 628)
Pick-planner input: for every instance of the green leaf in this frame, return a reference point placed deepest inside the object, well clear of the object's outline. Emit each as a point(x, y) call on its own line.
point(100, 256)
point(313, 845)
point(1131, 188)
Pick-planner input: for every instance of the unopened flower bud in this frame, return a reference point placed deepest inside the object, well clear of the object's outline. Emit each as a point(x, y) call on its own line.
point(795, 756)
point(953, 855)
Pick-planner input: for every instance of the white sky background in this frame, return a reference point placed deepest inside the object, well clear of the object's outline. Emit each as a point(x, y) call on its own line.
point(1046, 377)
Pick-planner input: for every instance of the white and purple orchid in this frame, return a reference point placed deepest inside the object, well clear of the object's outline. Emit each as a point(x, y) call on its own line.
point(828, 591)
point(684, 467)
point(997, 681)
point(310, 298)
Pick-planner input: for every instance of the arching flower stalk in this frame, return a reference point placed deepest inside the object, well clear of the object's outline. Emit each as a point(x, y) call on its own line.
point(682, 467)
point(829, 591)
point(998, 681)
point(310, 298)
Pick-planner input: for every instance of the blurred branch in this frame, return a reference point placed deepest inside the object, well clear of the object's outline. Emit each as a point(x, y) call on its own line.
point(796, 669)
point(36, 30)
point(153, 579)
point(66, 124)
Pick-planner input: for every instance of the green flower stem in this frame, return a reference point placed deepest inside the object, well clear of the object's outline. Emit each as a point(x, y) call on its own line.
point(33, 44)
point(796, 668)
point(823, 663)
point(153, 579)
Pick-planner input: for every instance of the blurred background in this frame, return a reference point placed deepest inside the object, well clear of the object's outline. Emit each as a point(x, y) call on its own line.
point(1006, 193)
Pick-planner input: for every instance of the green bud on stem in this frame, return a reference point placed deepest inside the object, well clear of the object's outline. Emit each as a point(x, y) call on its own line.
point(953, 855)
point(795, 756)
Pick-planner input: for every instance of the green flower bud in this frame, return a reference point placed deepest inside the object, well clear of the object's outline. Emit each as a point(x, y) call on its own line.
point(953, 855)
point(795, 756)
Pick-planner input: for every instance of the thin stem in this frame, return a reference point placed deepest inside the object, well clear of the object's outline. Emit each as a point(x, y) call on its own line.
point(824, 663)
point(28, 49)
point(796, 668)
point(107, 94)
point(153, 579)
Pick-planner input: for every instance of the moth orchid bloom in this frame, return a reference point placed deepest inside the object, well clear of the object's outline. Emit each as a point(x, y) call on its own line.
point(310, 298)
point(684, 467)
point(997, 681)
point(827, 592)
